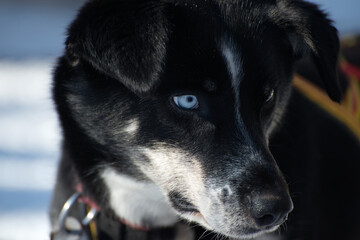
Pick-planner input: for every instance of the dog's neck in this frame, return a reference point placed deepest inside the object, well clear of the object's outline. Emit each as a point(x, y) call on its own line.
point(138, 203)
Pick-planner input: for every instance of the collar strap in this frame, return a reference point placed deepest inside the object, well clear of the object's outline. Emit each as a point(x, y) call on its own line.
point(84, 199)
point(93, 205)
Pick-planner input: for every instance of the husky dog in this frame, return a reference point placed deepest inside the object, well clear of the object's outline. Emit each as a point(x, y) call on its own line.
point(168, 107)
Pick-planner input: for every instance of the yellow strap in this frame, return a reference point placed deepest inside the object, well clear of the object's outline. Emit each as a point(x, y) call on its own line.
point(318, 96)
point(92, 227)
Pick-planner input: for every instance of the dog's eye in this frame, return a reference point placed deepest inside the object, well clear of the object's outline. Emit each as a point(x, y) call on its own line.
point(186, 101)
point(269, 95)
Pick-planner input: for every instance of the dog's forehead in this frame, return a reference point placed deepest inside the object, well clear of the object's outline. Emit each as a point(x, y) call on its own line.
point(209, 38)
point(200, 52)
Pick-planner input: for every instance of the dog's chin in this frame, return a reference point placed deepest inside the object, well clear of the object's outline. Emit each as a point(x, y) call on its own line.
point(249, 233)
point(238, 233)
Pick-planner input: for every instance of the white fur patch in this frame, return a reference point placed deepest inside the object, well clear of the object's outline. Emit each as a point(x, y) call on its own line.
point(234, 65)
point(137, 202)
point(171, 166)
point(132, 126)
point(175, 170)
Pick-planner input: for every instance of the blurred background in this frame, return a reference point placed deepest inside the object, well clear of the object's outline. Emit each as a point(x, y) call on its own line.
point(32, 33)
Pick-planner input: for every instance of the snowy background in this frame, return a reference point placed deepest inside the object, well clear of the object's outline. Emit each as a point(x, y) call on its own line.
point(31, 37)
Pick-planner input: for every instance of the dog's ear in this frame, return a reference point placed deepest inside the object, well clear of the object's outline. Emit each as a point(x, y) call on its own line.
point(125, 40)
point(311, 32)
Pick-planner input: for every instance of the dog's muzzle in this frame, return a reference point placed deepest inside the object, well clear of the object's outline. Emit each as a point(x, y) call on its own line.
point(249, 216)
point(251, 202)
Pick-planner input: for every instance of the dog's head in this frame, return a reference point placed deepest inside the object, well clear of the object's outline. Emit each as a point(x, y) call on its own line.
point(187, 93)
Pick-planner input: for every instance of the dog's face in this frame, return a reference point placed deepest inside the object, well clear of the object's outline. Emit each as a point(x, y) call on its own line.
point(185, 94)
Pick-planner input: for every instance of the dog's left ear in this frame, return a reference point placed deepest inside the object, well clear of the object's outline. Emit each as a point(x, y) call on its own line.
point(310, 31)
point(125, 40)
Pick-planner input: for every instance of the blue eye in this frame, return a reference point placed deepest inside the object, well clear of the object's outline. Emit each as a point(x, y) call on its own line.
point(186, 101)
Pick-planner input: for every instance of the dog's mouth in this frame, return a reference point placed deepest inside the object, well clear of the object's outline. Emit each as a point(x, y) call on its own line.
point(181, 204)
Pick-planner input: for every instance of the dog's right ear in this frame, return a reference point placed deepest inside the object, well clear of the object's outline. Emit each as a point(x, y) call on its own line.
point(125, 40)
point(311, 33)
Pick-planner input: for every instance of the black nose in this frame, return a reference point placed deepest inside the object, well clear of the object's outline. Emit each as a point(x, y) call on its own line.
point(269, 210)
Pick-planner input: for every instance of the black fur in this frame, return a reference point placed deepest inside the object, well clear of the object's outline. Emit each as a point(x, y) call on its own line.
point(126, 59)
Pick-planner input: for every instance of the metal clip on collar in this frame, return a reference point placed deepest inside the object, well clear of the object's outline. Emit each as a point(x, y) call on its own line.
point(65, 211)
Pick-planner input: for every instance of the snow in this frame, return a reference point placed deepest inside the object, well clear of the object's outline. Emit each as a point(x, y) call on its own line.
point(33, 36)
point(29, 132)
point(29, 148)
point(27, 116)
point(23, 225)
point(41, 172)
